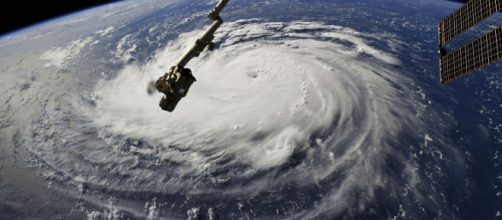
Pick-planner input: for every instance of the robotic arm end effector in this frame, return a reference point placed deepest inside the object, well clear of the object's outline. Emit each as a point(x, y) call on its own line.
point(174, 85)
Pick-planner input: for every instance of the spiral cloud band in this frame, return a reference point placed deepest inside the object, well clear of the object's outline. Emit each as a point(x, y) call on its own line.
point(296, 118)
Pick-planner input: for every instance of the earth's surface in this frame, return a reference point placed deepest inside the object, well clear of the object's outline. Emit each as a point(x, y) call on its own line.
point(307, 109)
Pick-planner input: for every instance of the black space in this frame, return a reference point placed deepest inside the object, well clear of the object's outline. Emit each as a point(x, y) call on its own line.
point(15, 15)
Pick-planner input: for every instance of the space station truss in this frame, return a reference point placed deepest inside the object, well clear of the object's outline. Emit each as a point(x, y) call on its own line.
point(476, 54)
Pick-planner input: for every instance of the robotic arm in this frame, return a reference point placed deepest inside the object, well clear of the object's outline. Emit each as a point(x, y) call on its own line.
point(175, 83)
point(205, 40)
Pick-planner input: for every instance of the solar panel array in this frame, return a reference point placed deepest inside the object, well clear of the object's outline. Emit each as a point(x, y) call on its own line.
point(466, 17)
point(473, 56)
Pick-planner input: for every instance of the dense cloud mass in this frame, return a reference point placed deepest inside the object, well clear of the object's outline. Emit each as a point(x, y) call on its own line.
point(326, 109)
point(296, 119)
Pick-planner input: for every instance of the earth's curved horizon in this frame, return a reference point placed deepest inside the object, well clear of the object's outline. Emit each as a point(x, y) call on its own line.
point(305, 110)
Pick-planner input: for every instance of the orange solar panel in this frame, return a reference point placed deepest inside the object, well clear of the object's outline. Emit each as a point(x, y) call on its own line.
point(466, 17)
point(476, 54)
point(473, 56)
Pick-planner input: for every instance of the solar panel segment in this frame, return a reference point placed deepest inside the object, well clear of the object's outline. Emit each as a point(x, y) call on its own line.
point(466, 17)
point(476, 54)
point(473, 56)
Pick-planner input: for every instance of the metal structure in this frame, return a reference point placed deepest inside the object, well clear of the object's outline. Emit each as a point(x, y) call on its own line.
point(476, 54)
point(176, 83)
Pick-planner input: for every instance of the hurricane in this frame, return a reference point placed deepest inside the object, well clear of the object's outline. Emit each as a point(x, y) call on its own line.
point(293, 120)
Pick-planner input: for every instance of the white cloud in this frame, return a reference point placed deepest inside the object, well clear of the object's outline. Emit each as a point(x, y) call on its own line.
point(59, 56)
